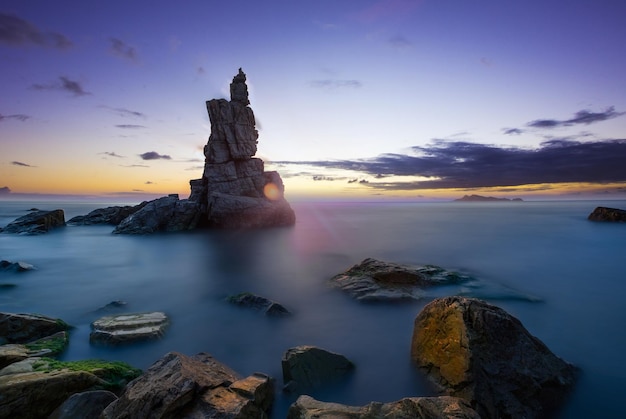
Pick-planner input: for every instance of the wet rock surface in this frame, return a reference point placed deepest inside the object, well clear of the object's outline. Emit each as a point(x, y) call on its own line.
point(127, 328)
point(307, 367)
point(37, 222)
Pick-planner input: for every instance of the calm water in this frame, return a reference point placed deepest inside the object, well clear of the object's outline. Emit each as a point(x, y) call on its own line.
point(563, 276)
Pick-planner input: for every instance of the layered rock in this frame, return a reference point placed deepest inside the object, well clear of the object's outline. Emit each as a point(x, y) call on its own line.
point(608, 214)
point(125, 328)
point(178, 386)
point(235, 191)
point(480, 353)
point(110, 215)
point(164, 214)
point(306, 367)
point(37, 222)
point(307, 407)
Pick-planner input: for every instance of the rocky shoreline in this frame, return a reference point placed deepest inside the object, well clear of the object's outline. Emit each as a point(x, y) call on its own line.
point(479, 358)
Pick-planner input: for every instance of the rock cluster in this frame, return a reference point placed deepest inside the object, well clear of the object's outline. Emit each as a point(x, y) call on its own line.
point(37, 222)
point(608, 214)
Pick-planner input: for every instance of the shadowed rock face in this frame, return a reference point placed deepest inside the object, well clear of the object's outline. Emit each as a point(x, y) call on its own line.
point(608, 214)
point(480, 353)
point(37, 222)
point(306, 367)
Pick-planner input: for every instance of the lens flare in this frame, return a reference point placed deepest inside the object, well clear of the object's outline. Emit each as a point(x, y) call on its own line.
point(272, 192)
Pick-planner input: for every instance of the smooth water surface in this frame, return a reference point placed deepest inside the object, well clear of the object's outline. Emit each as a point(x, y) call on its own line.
point(563, 276)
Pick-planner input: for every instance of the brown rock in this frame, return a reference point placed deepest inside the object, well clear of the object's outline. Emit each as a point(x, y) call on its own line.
point(24, 328)
point(480, 353)
point(608, 214)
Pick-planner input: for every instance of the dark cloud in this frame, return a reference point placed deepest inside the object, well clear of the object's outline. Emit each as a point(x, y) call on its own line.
point(19, 117)
point(16, 31)
point(134, 165)
point(63, 84)
point(130, 126)
point(149, 183)
point(153, 155)
point(336, 84)
point(400, 42)
point(122, 49)
point(124, 112)
point(19, 163)
point(320, 177)
point(111, 154)
point(462, 164)
point(5, 190)
point(584, 117)
point(512, 131)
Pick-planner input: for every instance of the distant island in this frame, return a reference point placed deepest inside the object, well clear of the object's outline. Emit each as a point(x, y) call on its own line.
point(479, 198)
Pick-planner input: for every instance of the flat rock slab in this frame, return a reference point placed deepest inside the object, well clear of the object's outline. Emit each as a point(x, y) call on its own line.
point(375, 280)
point(127, 328)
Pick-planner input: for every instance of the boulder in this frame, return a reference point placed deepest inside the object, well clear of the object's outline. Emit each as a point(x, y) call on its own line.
point(269, 307)
point(307, 407)
point(306, 367)
point(25, 328)
point(7, 266)
point(37, 222)
point(125, 328)
point(375, 280)
point(110, 215)
point(164, 214)
point(478, 352)
point(608, 214)
point(88, 404)
point(179, 386)
point(12, 353)
point(48, 346)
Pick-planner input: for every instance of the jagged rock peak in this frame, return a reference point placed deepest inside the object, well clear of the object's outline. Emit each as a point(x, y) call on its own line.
point(239, 89)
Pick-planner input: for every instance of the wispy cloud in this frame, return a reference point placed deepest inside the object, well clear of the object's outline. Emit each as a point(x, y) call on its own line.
point(63, 84)
point(336, 84)
point(19, 117)
point(121, 49)
point(134, 165)
point(148, 182)
point(130, 126)
point(460, 164)
point(400, 42)
point(16, 31)
point(512, 131)
point(112, 154)
point(19, 163)
point(153, 155)
point(123, 112)
point(584, 117)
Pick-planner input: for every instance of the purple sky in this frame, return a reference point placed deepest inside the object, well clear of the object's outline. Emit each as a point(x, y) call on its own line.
point(377, 98)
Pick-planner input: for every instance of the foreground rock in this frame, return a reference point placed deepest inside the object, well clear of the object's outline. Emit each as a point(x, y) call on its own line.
point(109, 215)
point(411, 407)
point(178, 386)
point(269, 307)
point(7, 266)
point(235, 191)
point(25, 328)
point(164, 214)
point(37, 222)
point(307, 367)
point(88, 404)
point(480, 353)
point(127, 328)
point(608, 214)
point(375, 280)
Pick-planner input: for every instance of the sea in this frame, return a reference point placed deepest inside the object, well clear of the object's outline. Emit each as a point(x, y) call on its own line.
point(562, 276)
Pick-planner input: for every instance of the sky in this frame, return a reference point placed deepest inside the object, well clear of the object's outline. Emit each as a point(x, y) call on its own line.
point(354, 99)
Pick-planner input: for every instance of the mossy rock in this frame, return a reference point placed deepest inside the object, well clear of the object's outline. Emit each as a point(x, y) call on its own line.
point(51, 345)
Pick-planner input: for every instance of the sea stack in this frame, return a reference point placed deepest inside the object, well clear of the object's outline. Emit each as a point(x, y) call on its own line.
point(235, 191)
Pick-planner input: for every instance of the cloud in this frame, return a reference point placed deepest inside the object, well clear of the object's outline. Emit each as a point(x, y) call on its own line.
point(134, 165)
point(5, 190)
point(153, 155)
point(111, 154)
point(130, 126)
point(149, 183)
point(16, 31)
point(460, 164)
point(400, 42)
point(336, 84)
point(18, 116)
point(512, 131)
point(19, 163)
point(123, 112)
point(584, 117)
point(123, 50)
point(64, 84)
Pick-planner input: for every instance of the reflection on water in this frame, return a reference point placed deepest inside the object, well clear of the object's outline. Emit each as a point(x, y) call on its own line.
point(547, 251)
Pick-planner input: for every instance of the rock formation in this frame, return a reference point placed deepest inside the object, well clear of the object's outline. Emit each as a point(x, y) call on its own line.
point(480, 353)
point(306, 367)
point(608, 214)
point(109, 215)
point(235, 191)
point(164, 214)
point(125, 328)
point(37, 222)
point(267, 306)
point(24, 328)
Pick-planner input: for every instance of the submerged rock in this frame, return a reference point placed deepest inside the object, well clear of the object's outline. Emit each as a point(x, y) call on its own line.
point(269, 307)
point(179, 386)
point(306, 367)
point(7, 266)
point(375, 280)
point(608, 214)
point(37, 222)
point(126, 328)
point(480, 353)
point(109, 215)
point(307, 407)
